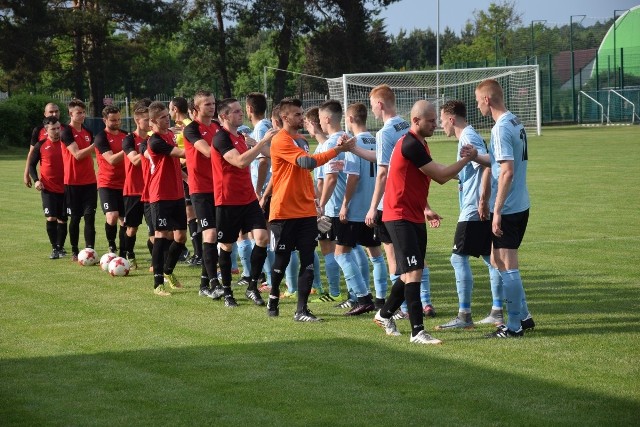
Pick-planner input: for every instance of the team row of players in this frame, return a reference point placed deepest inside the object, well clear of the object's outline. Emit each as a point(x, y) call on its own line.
point(217, 159)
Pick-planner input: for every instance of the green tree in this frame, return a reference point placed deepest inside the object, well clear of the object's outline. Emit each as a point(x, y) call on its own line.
point(489, 34)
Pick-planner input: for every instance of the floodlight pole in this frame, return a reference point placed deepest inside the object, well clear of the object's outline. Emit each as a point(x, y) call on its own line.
point(541, 21)
point(438, 52)
point(573, 72)
point(615, 66)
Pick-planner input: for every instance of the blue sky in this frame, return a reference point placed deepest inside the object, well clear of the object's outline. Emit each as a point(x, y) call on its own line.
point(409, 14)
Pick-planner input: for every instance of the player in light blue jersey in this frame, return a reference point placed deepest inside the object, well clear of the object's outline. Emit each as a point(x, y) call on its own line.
point(472, 236)
point(361, 182)
point(331, 200)
point(327, 246)
point(256, 107)
point(508, 204)
point(383, 106)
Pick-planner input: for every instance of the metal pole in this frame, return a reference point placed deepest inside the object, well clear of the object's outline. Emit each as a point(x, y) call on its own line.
point(542, 21)
point(438, 52)
point(573, 72)
point(615, 53)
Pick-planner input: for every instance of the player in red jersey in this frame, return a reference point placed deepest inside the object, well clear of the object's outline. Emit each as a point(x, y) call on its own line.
point(198, 138)
point(406, 211)
point(166, 196)
point(51, 183)
point(80, 191)
point(134, 181)
point(38, 134)
point(111, 176)
point(237, 207)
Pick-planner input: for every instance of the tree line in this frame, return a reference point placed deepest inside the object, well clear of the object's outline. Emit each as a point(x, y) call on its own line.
point(89, 48)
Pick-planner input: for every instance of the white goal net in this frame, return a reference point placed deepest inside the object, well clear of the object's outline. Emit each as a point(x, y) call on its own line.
point(520, 84)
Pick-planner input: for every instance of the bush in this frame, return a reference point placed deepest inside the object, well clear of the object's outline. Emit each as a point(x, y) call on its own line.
point(20, 114)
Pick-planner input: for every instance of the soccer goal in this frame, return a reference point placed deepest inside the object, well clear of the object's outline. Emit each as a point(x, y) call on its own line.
point(521, 86)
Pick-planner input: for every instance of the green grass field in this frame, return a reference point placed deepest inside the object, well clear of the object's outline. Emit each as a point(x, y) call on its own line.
point(78, 347)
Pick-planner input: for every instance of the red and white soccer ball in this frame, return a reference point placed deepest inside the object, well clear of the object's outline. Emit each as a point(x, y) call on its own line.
point(106, 259)
point(87, 257)
point(119, 266)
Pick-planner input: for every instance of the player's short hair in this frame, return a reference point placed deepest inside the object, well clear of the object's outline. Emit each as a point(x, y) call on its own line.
point(181, 104)
point(275, 115)
point(455, 107)
point(50, 120)
point(288, 103)
point(198, 95)
point(225, 105)
point(140, 111)
point(155, 108)
point(312, 114)
point(333, 107)
point(384, 93)
point(359, 113)
point(144, 102)
point(492, 89)
point(257, 102)
point(75, 102)
point(109, 109)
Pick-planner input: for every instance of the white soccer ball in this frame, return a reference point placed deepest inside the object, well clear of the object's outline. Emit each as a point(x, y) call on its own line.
point(87, 257)
point(119, 266)
point(106, 259)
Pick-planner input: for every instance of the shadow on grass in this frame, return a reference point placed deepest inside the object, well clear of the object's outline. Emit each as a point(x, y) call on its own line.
point(311, 382)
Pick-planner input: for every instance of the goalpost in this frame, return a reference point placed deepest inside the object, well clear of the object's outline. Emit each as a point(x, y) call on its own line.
point(521, 86)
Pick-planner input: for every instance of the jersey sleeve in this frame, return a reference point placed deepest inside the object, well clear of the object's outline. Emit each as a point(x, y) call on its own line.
point(351, 164)
point(191, 133)
point(35, 135)
point(33, 161)
point(159, 145)
point(66, 136)
point(222, 142)
point(333, 165)
point(385, 142)
point(129, 144)
point(472, 138)
point(501, 142)
point(414, 151)
point(101, 143)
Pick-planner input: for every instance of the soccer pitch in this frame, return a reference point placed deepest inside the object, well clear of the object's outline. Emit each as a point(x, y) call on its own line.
point(78, 347)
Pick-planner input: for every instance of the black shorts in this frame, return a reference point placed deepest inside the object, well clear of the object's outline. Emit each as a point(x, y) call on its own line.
point(80, 200)
point(148, 218)
point(169, 215)
point(329, 235)
point(354, 233)
point(409, 244)
point(205, 210)
point(231, 220)
point(53, 205)
point(380, 231)
point(111, 200)
point(290, 234)
point(133, 211)
point(513, 229)
point(187, 195)
point(472, 238)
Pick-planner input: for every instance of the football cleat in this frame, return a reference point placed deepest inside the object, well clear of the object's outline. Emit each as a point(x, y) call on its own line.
point(503, 332)
point(424, 338)
point(306, 316)
point(389, 325)
point(254, 296)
